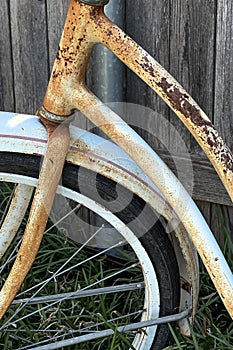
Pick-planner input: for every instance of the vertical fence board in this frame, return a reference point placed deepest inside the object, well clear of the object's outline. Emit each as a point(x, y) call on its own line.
point(223, 106)
point(192, 63)
point(6, 74)
point(29, 52)
point(147, 21)
point(224, 71)
point(192, 55)
point(56, 15)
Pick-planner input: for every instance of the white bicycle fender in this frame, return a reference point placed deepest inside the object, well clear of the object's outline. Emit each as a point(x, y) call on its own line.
point(26, 134)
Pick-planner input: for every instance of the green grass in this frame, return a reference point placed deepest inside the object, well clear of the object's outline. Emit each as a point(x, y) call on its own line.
point(212, 329)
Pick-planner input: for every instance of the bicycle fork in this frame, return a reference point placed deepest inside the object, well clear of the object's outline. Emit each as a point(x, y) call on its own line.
point(58, 143)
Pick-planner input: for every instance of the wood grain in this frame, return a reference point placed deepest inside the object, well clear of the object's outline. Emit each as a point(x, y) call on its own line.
point(192, 59)
point(29, 52)
point(147, 22)
point(56, 15)
point(223, 117)
point(6, 72)
point(222, 217)
point(198, 177)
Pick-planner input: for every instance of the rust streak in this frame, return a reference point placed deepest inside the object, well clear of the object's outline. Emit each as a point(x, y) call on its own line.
point(180, 102)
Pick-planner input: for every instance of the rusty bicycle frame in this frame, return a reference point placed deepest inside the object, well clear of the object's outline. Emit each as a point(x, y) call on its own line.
point(86, 25)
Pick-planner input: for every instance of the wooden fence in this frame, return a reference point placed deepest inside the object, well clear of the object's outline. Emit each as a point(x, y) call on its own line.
point(191, 38)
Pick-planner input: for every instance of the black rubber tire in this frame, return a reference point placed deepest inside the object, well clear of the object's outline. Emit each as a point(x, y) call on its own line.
point(155, 240)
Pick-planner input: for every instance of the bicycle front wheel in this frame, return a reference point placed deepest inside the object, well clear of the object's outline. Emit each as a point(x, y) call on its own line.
point(105, 264)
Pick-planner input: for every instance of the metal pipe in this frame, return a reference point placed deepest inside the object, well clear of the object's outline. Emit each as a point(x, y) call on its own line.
point(107, 71)
point(110, 332)
point(107, 74)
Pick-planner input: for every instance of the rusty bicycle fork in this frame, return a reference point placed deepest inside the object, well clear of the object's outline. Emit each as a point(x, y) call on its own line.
point(85, 26)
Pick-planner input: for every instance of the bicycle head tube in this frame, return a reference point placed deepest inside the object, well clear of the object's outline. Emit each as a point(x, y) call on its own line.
point(95, 2)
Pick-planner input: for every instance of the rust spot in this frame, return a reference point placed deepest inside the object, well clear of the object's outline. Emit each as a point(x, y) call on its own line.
point(109, 32)
point(56, 74)
point(227, 160)
point(185, 285)
point(179, 101)
point(204, 255)
point(145, 58)
point(146, 66)
point(211, 142)
point(95, 14)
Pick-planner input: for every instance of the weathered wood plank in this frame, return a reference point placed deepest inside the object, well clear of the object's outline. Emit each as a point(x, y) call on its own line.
point(206, 184)
point(6, 74)
point(228, 223)
point(192, 55)
point(204, 208)
point(147, 21)
point(56, 15)
point(223, 103)
point(222, 224)
point(224, 72)
point(29, 52)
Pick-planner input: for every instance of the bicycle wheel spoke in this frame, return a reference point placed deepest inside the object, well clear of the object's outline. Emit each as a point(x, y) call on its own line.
point(81, 294)
point(59, 271)
point(42, 284)
point(78, 206)
point(109, 332)
point(58, 301)
point(82, 330)
point(11, 257)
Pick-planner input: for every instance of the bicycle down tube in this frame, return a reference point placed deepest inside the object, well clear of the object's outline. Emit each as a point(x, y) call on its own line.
point(85, 26)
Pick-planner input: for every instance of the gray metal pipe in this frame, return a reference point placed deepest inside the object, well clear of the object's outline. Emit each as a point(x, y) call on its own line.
point(107, 71)
point(106, 79)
